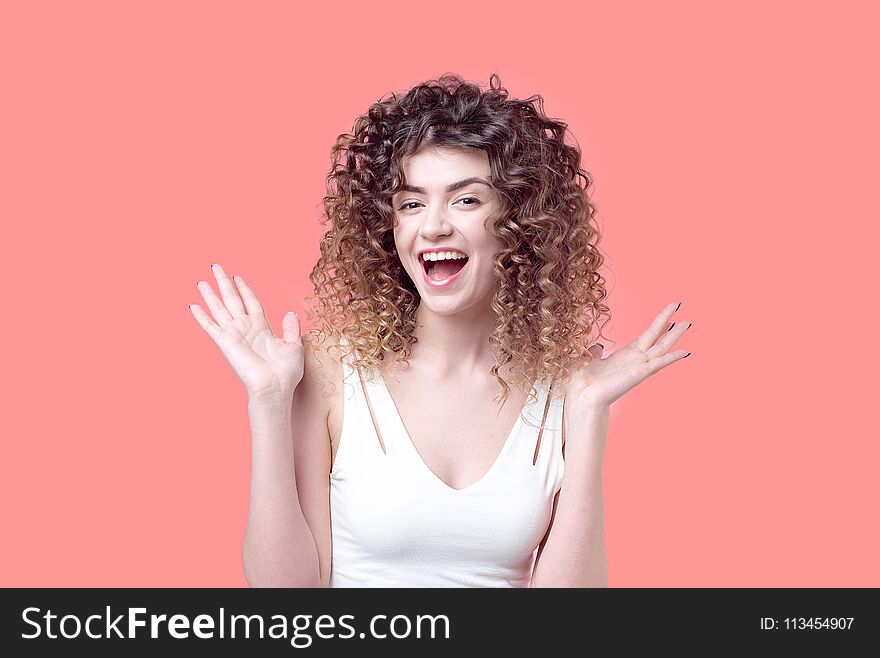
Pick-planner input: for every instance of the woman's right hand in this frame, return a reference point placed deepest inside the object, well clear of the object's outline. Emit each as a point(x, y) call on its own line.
point(269, 367)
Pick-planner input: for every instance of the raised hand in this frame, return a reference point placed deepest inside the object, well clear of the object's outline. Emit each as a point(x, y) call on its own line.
point(602, 381)
point(269, 367)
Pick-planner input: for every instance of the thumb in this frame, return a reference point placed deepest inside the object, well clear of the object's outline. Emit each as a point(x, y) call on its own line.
point(290, 327)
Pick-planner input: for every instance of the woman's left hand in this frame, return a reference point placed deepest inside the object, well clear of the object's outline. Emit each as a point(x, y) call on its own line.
point(595, 385)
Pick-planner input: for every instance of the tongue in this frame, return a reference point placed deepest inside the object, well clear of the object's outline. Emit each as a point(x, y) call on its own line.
point(443, 269)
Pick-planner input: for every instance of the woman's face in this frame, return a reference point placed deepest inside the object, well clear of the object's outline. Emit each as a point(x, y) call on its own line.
point(440, 209)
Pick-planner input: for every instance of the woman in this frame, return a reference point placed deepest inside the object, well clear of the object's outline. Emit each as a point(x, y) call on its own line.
point(460, 258)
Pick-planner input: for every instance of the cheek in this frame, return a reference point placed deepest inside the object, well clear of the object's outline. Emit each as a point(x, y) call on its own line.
point(489, 247)
point(398, 247)
point(402, 246)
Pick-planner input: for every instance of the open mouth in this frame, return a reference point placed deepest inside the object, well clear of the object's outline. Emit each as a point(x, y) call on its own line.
point(440, 270)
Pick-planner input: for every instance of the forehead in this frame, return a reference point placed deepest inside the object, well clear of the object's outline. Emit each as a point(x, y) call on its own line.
point(437, 166)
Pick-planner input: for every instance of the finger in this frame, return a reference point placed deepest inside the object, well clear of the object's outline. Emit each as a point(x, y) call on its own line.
point(647, 339)
point(251, 302)
point(290, 328)
point(207, 324)
point(227, 290)
point(658, 363)
point(221, 315)
point(669, 339)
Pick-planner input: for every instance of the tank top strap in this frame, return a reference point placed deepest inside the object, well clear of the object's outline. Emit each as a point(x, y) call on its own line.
point(547, 438)
point(361, 388)
point(548, 400)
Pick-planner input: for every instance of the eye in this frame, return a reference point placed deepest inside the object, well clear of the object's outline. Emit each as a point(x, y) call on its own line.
point(476, 201)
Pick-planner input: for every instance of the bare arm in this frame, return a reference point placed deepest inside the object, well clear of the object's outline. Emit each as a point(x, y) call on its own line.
point(287, 542)
point(278, 549)
point(572, 553)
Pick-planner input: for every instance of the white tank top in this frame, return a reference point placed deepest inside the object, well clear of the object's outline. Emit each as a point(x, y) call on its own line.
point(394, 523)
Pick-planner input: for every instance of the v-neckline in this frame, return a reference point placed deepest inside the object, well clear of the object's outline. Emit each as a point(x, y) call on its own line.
point(410, 445)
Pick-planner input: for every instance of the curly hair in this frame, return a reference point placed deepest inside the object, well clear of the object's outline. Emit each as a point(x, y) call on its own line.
point(550, 294)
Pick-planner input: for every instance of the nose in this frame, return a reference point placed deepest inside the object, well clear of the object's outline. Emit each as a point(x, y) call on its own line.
point(435, 223)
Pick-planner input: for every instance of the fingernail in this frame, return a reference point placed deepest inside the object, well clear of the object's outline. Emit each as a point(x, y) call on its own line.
point(670, 328)
point(686, 355)
point(678, 307)
point(689, 324)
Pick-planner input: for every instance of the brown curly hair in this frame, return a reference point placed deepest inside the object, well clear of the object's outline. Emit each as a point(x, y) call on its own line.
point(550, 295)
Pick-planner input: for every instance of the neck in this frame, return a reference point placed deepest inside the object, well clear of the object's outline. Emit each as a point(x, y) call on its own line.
point(455, 345)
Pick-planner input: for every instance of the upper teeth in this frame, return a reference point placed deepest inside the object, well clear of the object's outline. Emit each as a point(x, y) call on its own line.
point(442, 255)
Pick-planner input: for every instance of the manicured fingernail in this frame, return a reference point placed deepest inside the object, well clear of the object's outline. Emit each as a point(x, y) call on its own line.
point(670, 328)
point(690, 324)
point(686, 355)
point(678, 307)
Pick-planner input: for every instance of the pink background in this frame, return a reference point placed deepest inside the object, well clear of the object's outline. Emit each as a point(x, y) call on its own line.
point(735, 158)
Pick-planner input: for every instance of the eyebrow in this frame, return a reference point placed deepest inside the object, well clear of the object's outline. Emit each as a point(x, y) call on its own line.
point(450, 188)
